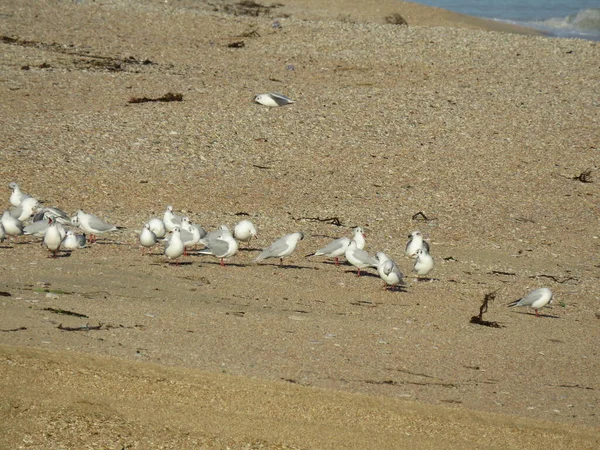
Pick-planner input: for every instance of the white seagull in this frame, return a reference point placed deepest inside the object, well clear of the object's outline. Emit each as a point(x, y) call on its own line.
point(25, 210)
point(423, 262)
point(244, 231)
point(281, 248)
point(12, 227)
point(359, 258)
point(93, 225)
point(222, 247)
point(73, 241)
point(536, 299)
point(338, 247)
point(174, 248)
point(17, 195)
point(53, 238)
point(147, 237)
point(273, 99)
point(414, 243)
point(157, 226)
point(388, 270)
point(171, 219)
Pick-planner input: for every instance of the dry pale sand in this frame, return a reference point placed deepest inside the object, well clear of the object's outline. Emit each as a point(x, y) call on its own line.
point(483, 132)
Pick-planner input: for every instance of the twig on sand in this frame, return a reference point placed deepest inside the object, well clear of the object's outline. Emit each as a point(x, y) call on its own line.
point(478, 320)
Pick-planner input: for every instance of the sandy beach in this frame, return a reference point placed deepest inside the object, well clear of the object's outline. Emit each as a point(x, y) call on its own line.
point(483, 136)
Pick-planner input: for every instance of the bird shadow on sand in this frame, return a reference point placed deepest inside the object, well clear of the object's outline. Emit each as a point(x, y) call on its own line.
point(249, 249)
point(61, 255)
point(546, 316)
point(227, 264)
point(362, 274)
point(107, 242)
point(287, 266)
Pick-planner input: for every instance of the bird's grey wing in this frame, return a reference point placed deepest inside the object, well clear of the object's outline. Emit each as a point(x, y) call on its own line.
point(365, 258)
point(16, 212)
point(99, 224)
point(280, 99)
point(216, 247)
point(201, 230)
point(36, 227)
point(333, 246)
point(531, 298)
point(186, 235)
point(275, 249)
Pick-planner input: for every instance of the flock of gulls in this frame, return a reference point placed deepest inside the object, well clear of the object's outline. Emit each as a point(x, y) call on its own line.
point(179, 234)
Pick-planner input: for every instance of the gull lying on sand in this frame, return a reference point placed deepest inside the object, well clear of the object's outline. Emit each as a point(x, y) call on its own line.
point(147, 237)
point(536, 299)
point(281, 248)
point(73, 241)
point(273, 99)
point(12, 227)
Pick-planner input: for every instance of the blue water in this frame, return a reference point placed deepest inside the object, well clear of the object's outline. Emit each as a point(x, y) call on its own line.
point(574, 18)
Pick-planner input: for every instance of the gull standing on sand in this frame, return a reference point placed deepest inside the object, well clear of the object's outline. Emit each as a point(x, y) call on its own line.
point(414, 243)
point(215, 234)
point(244, 231)
point(171, 219)
point(338, 247)
point(174, 248)
point(53, 238)
point(93, 225)
point(190, 235)
point(12, 227)
point(222, 247)
point(423, 262)
point(73, 241)
point(157, 226)
point(536, 299)
point(388, 271)
point(147, 237)
point(17, 195)
point(273, 99)
point(281, 248)
point(359, 258)
point(25, 210)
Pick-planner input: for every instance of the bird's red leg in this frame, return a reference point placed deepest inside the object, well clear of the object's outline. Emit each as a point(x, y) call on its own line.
point(536, 313)
point(337, 261)
point(222, 262)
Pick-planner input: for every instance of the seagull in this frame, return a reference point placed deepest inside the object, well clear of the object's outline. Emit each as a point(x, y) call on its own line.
point(244, 231)
point(25, 210)
point(12, 227)
point(273, 99)
point(50, 211)
point(414, 243)
point(171, 219)
point(536, 299)
point(38, 228)
point(388, 270)
point(93, 225)
point(423, 263)
point(215, 234)
point(190, 235)
point(53, 238)
point(147, 237)
point(174, 248)
point(17, 195)
point(73, 241)
point(282, 247)
point(338, 247)
point(157, 226)
point(359, 258)
point(223, 247)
